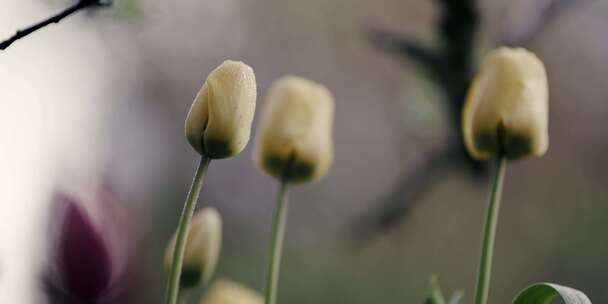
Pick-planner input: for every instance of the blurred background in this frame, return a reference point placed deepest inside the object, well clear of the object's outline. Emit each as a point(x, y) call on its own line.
point(98, 101)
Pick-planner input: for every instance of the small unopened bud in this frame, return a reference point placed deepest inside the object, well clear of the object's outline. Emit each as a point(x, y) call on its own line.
point(87, 258)
point(295, 142)
point(84, 258)
point(229, 292)
point(219, 122)
point(203, 245)
point(506, 111)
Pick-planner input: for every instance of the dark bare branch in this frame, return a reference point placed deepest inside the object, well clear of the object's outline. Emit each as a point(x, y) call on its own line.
point(82, 4)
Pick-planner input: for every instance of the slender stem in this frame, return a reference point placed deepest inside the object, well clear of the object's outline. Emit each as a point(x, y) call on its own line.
point(82, 4)
point(278, 233)
point(172, 290)
point(489, 234)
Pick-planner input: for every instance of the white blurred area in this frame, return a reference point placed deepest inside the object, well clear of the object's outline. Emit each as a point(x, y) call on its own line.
point(51, 88)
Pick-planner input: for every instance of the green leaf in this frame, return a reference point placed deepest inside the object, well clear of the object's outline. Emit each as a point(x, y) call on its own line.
point(545, 293)
point(434, 295)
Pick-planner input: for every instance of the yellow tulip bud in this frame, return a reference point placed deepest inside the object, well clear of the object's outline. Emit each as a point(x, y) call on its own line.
point(219, 122)
point(203, 245)
point(294, 143)
point(228, 292)
point(506, 111)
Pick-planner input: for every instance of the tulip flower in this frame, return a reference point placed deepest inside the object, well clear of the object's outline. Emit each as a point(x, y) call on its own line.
point(294, 143)
point(219, 122)
point(202, 248)
point(217, 126)
point(505, 117)
point(85, 265)
point(229, 292)
point(506, 111)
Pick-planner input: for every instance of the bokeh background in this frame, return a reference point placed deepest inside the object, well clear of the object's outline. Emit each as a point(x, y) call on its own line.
point(98, 102)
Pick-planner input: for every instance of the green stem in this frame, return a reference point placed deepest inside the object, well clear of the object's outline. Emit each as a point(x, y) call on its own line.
point(489, 234)
point(172, 291)
point(278, 233)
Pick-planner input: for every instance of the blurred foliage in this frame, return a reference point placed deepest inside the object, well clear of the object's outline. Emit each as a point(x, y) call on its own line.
point(435, 295)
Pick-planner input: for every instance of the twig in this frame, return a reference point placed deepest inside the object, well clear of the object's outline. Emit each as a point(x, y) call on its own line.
point(82, 4)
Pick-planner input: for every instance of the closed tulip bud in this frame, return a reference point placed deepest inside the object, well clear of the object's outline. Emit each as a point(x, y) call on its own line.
point(506, 111)
point(295, 142)
point(228, 292)
point(219, 122)
point(87, 258)
point(203, 245)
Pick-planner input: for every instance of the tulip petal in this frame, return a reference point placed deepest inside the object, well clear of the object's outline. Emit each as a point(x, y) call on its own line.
point(506, 111)
point(83, 258)
point(295, 142)
point(219, 122)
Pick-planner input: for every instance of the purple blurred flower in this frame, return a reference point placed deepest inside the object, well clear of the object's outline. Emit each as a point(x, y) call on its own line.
point(86, 262)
